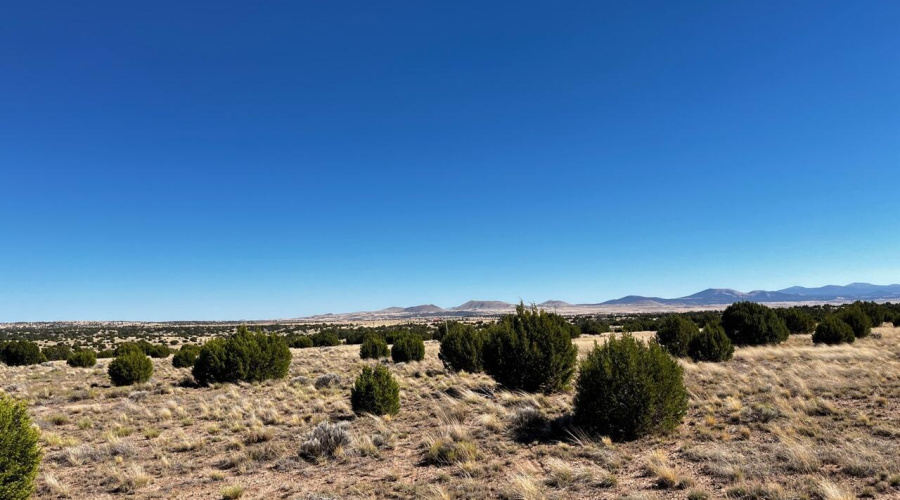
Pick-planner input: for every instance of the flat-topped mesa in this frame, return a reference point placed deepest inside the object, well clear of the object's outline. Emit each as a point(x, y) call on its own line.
point(483, 305)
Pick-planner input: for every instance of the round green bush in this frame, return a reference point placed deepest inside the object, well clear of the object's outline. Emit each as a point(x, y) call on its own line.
point(373, 347)
point(627, 389)
point(359, 335)
point(797, 320)
point(156, 350)
point(21, 353)
point(749, 323)
point(58, 352)
point(130, 368)
point(127, 348)
point(186, 356)
point(462, 347)
point(244, 356)
point(408, 347)
point(82, 358)
point(20, 454)
point(711, 344)
point(859, 322)
point(376, 392)
point(832, 330)
point(675, 334)
point(152, 350)
point(299, 341)
point(591, 326)
point(326, 338)
point(531, 351)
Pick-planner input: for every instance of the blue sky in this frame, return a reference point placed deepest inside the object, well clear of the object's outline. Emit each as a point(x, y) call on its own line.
point(248, 160)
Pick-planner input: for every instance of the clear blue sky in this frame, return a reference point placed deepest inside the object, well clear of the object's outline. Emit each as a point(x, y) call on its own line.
point(238, 160)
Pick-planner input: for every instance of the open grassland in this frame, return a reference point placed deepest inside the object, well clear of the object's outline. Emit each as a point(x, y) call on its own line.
point(787, 421)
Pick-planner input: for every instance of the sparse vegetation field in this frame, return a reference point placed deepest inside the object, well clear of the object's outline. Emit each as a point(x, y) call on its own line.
point(792, 420)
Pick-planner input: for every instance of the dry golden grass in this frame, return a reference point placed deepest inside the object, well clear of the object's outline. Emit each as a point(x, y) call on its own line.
point(791, 421)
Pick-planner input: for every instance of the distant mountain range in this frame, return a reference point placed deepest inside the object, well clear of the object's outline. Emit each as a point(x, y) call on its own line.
point(829, 293)
point(709, 298)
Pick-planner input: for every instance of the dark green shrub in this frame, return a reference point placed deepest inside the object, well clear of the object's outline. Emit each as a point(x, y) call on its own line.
point(186, 356)
point(591, 326)
point(876, 312)
point(627, 389)
point(244, 356)
point(832, 330)
point(299, 341)
point(152, 350)
point(854, 316)
point(564, 324)
point(391, 336)
point(574, 330)
point(359, 335)
point(897, 321)
point(82, 358)
point(376, 392)
point(127, 348)
point(462, 348)
point(326, 338)
point(373, 347)
point(408, 347)
point(442, 330)
point(642, 324)
point(132, 367)
point(711, 344)
point(158, 351)
point(58, 352)
point(21, 353)
point(106, 354)
point(797, 320)
point(531, 350)
point(675, 334)
point(749, 323)
point(20, 454)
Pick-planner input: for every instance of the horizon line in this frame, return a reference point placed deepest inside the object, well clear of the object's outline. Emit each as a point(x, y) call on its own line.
point(447, 309)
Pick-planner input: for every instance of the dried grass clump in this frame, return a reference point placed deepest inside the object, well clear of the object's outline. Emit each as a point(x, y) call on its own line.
point(127, 480)
point(830, 491)
point(562, 474)
point(452, 446)
point(232, 492)
point(667, 476)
